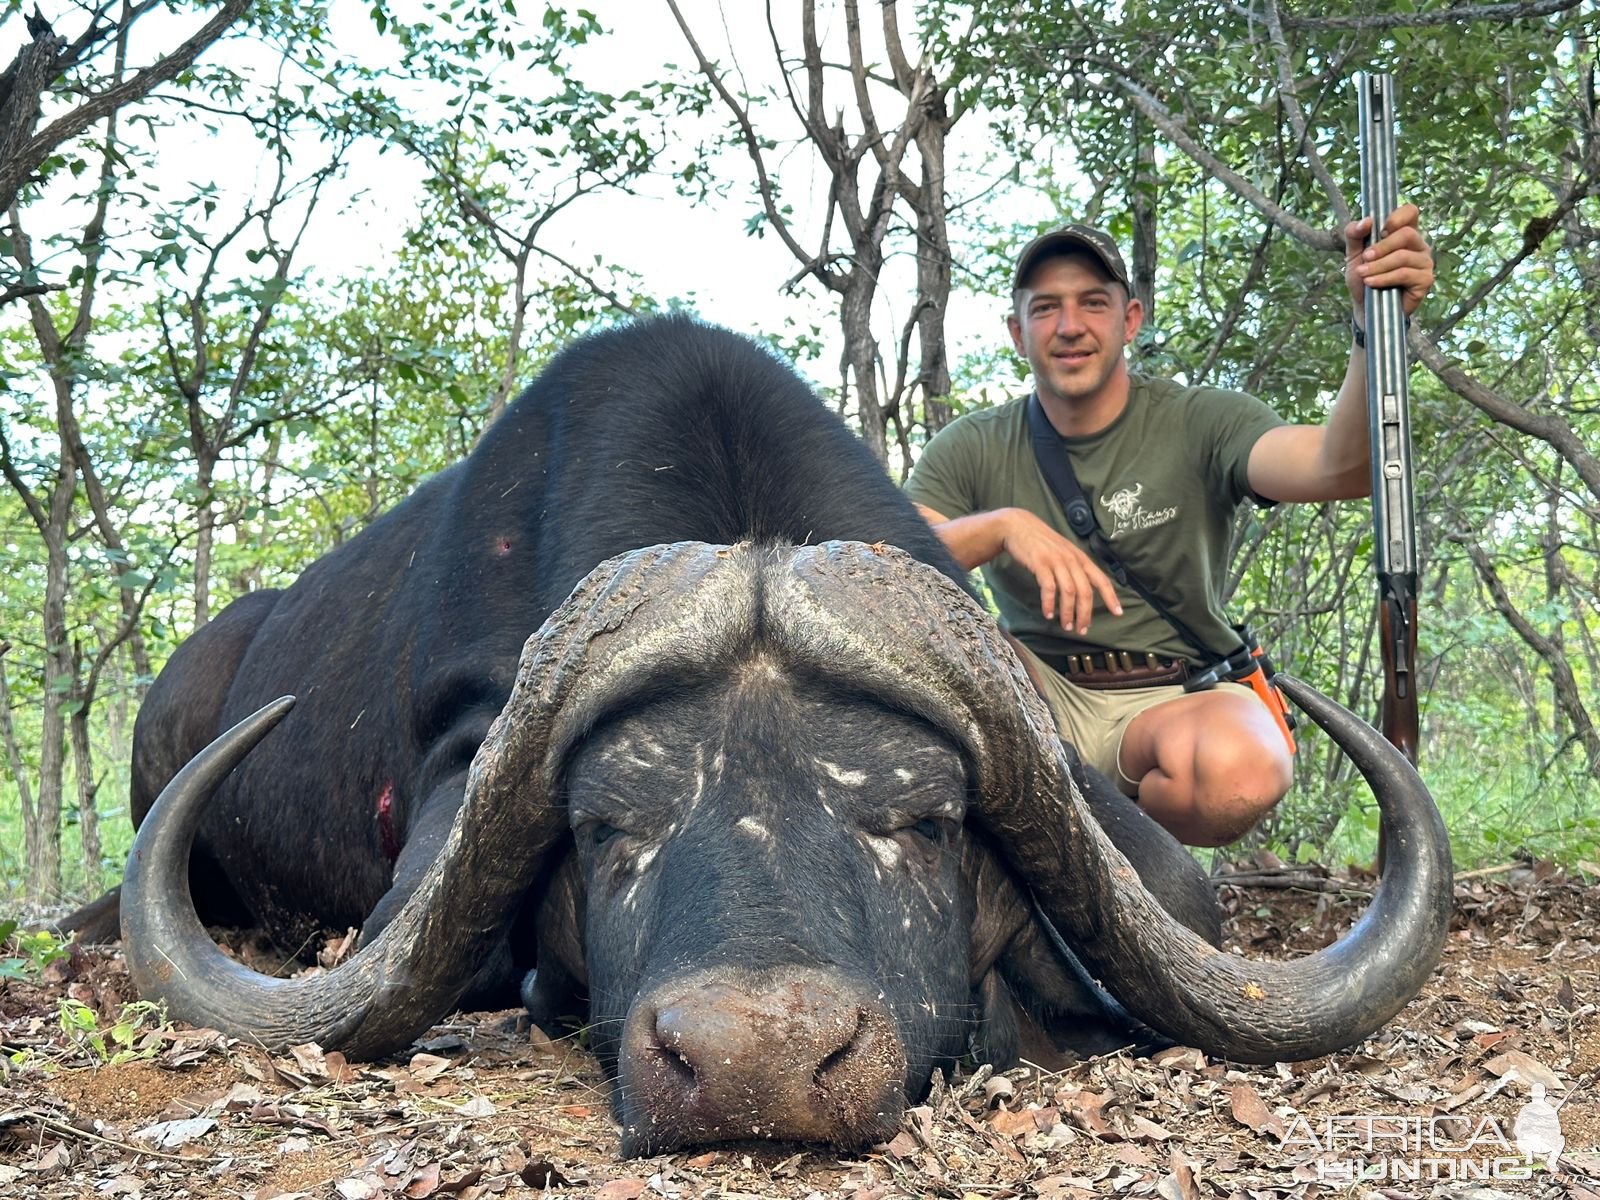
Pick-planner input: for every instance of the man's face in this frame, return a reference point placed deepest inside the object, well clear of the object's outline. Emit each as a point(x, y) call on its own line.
point(1071, 324)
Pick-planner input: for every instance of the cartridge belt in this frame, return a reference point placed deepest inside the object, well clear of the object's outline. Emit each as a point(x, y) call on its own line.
point(1109, 670)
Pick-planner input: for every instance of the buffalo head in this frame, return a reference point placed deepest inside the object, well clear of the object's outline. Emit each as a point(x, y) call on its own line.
point(746, 787)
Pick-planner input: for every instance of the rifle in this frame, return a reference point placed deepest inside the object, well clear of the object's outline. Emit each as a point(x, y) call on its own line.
point(1388, 411)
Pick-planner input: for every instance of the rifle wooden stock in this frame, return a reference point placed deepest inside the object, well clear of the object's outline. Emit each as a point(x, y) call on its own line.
point(1397, 635)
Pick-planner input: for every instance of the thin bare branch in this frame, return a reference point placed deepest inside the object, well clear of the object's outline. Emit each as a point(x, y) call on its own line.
point(21, 291)
point(594, 285)
point(1241, 299)
point(1287, 96)
point(858, 79)
point(1533, 237)
point(1177, 132)
point(898, 63)
point(1568, 693)
point(18, 166)
point(8, 468)
point(764, 183)
point(1163, 119)
point(1551, 430)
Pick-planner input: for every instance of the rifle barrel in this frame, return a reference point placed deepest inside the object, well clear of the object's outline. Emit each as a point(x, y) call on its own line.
point(1389, 417)
point(1387, 367)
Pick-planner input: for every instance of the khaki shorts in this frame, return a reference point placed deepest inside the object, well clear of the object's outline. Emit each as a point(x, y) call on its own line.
point(1095, 721)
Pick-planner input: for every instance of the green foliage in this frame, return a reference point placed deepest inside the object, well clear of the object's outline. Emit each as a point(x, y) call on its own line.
point(31, 953)
point(227, 375)
point(125, 1040)
point(1496, 812)
point(116, 830)
point(222, 382)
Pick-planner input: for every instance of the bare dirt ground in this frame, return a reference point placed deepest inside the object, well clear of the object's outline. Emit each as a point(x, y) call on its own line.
point(1434, 1105)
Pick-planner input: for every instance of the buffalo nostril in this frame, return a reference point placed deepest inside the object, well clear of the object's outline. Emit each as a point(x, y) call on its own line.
point(667, 1046)
point(839, 1059)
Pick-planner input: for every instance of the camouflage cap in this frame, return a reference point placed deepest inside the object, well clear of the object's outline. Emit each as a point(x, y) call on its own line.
point(1071, 237)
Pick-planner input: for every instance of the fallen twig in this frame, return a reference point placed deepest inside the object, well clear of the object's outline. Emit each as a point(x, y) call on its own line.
point(63, 1129)
point(1482, 872)
point(1293, 881)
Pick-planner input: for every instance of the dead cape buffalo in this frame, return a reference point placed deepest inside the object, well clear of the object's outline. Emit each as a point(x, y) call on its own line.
point(667, 692)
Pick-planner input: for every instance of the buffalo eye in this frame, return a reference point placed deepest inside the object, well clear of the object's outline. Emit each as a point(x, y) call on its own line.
point(599, 833)
point(929, 830)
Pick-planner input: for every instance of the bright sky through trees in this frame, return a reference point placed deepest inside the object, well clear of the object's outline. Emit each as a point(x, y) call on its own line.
point(242, 418)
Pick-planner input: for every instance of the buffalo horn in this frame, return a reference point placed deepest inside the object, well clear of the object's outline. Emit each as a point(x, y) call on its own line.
point(908, 630)
point(627, 611)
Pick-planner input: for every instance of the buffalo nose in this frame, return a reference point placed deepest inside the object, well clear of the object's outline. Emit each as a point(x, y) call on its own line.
point(802, 1055)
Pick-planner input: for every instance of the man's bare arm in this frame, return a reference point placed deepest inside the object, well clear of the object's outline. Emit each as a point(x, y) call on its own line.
point(1068, 578)
point(972, 540)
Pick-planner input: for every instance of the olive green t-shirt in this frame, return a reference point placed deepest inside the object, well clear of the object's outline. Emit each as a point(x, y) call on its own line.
point(1164, 478)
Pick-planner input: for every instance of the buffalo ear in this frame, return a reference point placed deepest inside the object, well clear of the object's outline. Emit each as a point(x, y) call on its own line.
point(551, 934)
point(1008, 1033)
point(997, 1038)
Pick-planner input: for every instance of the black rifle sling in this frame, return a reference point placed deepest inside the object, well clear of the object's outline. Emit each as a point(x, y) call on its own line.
point(1056, 465)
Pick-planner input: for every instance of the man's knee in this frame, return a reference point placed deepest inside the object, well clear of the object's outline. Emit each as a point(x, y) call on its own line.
point(1239, 778)
point(1209, 766)
point(1222, 824)
point(1242, 766)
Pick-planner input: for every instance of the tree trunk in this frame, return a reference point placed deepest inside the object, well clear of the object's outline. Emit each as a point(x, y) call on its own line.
point(8, 733)
point(1554, 586)
point(1568, 693)
point(27, 78)
point(507, 383)
point(23, 154)
point(114, 708)
point(1142, 202)
point(933, 268)
point(41, 824)
point(205, 536)
point(88, 785)
point(861, 358)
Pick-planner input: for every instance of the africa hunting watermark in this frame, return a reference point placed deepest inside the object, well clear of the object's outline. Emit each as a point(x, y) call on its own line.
point(1354, 1149)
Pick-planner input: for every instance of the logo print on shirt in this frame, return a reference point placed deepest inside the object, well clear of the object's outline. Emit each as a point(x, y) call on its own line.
point(1128, 515)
